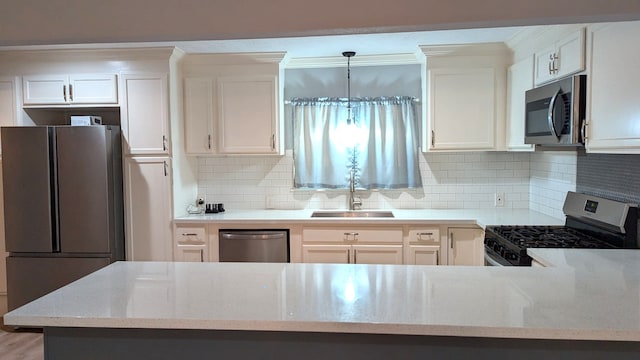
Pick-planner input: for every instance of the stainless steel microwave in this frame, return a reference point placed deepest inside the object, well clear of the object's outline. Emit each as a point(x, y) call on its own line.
point(555, 112)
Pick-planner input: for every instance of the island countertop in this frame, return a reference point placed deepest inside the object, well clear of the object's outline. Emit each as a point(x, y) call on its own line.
point(590, 295)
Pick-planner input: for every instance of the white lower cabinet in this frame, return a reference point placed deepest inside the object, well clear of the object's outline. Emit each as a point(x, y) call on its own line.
point(423, 255)
point(191, 244)
point(346, 245)
point(148, 213)
point(423, 246)
point(466, 246)
point(327, 254)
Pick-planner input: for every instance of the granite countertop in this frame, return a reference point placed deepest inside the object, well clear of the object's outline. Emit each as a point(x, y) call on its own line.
point(590, 294)
point(481, 217)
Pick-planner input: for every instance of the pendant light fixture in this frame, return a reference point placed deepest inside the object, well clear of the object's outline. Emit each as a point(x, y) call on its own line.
point(349, 55)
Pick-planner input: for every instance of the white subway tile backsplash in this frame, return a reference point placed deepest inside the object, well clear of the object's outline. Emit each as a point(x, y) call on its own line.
point(459, 180)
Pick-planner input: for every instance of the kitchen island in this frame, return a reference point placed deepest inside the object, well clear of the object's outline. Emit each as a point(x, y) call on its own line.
point(588, 306)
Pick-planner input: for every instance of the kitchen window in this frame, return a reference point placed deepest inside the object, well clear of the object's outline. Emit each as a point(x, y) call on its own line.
point(379, 142)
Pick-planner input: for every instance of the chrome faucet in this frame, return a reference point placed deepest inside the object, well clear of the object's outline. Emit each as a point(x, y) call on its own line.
point(354, 201)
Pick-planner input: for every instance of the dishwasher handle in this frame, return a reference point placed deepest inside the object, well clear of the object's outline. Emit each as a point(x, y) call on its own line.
point(252, 235)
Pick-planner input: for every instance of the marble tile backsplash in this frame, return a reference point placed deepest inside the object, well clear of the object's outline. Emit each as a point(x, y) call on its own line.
point(452, 180)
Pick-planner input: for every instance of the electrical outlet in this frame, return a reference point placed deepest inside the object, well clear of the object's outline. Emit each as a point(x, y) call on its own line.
point(499, 199)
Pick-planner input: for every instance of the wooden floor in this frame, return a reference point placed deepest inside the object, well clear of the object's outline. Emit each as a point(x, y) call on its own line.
point(21, 344)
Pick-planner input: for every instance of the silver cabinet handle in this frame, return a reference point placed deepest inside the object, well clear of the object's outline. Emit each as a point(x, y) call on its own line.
point(273, 142)
point(347, 234)
point(355, 256)
point(348, 256)
point(166, 168)
point(437, 258)
point(209, 140)
point(70, 92)
point(583, 131)
point(451, 239)
point(201, 255)
point(420, 235)
point(64, 92)
point(433, 138)
point(189, 234)
point(164, 143)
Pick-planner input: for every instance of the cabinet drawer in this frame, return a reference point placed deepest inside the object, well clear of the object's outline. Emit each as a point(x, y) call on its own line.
point(191, 235)
point(424, 235)
point(349, 234)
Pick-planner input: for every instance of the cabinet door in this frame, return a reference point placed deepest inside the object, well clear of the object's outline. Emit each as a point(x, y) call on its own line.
point(520, 79)
point(330, 254)
point(145, 114)
point(570, 52)
point(545, 65)
point(93, 89)
point(247, 115)
point(148, 209)
point(614, 106)
point(461, 108)
point(198, 115)
point(8, 105)
point(466, 246)
point(44, 89)
point(190, 253)
point(377, 254)
point(423, 255)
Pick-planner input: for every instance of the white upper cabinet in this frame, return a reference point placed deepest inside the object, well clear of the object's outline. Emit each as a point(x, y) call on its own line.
point(519, 80)
point(198, 115)
point(145, 114)
point(233, 104)
point(466, 93)
point(613, 115)
point(564, 57)
point(248, 113)
point(70, 89)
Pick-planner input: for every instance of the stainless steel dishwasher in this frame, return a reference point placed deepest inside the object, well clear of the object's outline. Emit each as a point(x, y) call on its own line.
point(253, 245)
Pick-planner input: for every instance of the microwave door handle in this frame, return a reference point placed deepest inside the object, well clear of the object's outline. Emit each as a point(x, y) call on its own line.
point(552, 104)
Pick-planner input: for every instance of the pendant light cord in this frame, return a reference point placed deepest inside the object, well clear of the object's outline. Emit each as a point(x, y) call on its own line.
point(348, 55)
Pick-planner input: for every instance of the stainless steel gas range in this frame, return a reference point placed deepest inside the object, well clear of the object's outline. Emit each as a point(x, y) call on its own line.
point(591, 222)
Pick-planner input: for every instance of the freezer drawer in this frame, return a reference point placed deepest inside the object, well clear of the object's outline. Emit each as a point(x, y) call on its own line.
point(29, 278)
point(254, 245)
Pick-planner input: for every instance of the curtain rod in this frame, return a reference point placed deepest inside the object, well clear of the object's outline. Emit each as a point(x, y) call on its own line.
point(288, 102)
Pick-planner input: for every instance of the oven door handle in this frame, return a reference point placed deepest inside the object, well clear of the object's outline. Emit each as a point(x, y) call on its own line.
point(490, 260)
point(552, 105)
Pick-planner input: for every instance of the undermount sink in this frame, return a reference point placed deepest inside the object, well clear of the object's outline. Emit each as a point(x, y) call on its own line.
point(356, 213)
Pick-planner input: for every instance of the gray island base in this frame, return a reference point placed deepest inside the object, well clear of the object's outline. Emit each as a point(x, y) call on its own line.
point(171, 344)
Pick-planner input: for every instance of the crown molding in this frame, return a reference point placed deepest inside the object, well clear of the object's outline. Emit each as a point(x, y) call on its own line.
point(492, 49)
point(235, 58)
point(358, 60)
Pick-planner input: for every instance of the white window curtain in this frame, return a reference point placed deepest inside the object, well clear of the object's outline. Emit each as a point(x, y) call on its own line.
point(380, 143)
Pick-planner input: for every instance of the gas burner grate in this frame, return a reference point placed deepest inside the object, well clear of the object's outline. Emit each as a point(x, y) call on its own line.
point(548, 236)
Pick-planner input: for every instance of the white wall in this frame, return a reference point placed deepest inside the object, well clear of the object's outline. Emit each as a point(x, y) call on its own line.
point(457, 180)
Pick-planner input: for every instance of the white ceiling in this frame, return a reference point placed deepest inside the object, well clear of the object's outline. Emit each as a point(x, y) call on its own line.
point(324, 46)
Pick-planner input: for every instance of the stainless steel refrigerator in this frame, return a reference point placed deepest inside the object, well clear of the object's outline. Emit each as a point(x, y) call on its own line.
point(63, 205)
